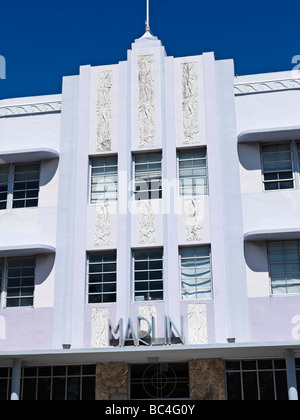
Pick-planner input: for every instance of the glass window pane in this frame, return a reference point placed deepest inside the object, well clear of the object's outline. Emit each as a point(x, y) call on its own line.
point(277, 165)
point(284, 267)
point(234, 387)
point(196, 279)
point(148, 265)
point(26, 185)
point(104, 179)
point(189, 173)
point(148, 175)
point(102, 277)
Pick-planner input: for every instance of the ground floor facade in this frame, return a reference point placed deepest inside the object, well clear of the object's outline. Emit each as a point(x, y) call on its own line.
point(59, 377)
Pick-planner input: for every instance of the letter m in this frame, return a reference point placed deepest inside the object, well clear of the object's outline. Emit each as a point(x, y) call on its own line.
point(2, 67)
point(115, 333)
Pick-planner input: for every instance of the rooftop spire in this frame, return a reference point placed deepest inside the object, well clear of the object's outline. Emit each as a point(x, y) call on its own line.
point(148, 18)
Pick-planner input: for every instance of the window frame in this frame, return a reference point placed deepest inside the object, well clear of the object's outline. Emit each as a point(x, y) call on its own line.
point(5, 283)
point(295, 166)
point(257, 371)
point(134, 271)
point(160, 181)
point(181, 278)
point(102, 283)
point(116, 175)
point(10, 194)
point(197, 149)
point(285, 273)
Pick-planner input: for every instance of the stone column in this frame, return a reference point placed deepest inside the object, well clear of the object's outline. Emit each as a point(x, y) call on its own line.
point(112, 381)
point(207, 380)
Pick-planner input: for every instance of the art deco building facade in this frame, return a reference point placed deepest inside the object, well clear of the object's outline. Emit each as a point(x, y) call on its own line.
point(149, 229)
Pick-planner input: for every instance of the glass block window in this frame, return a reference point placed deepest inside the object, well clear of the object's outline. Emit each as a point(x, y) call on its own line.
point(284, 267)
point(26, 185)
point(277, 167)
point(20, 281)
point(102, 277)
point(193, 173)
point(148, 176)
point(148, 275)
point(196, 278)
point(104, 183)
point(4, 179)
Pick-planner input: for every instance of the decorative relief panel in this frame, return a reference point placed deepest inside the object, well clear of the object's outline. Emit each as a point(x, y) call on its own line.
point(267, 86)
point(146, 102)
point(194, 219)
point(190, 103)
point(100, 318)
point(148, 312)
point(103, 225)
point(104, 111)
point(197, 323)
point(147, 223)
point(28, 109)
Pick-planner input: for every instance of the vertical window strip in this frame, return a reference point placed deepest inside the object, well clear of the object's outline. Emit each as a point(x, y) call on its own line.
point(148, 275)
point(4, 180)
point(193, 173)
point(20, 281)
point(284, 267)
point(277, 165)
point(298, 153)
point(196, 278)
point(148, 176)
point(102, 273)
point(104, 182)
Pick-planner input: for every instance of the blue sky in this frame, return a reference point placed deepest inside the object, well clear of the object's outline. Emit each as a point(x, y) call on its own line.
point(43, 40)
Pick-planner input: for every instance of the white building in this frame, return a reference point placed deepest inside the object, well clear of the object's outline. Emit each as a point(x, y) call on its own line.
point(149, 227)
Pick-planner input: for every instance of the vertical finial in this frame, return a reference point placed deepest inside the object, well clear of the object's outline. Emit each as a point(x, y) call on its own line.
point(148, 18)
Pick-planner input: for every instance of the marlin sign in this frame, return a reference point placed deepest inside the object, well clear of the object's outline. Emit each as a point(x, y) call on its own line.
point(146, 336)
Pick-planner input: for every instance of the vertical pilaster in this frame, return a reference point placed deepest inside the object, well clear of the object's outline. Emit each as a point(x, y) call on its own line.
point(16, 380)
point(291, 375)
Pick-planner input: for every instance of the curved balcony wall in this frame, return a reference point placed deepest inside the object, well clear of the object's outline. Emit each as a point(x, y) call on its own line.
point(30, 125)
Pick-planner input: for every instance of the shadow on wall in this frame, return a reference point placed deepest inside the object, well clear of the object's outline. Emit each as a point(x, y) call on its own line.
point(256, 256)
point(249, 156)
point(49, 169)
point(44, 267)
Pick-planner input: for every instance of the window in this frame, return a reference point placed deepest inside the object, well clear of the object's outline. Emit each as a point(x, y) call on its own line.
point(193, 177)
point(45, 383)
point(1, 276)
point(4, 175)
point(148, 275)
point(284, 267)
point(19, 185)
point(253, 380)
point(20, 282)
point(26, 185)
point(196, 279)
point(298, 153)
point(5, 383)
point(102, 277)
point(104, 185)
point(159, 381)
point(277, 165)
point(148, 176)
